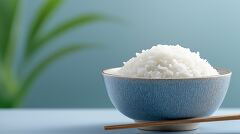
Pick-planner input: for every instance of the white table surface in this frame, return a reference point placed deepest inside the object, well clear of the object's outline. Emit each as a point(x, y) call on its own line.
point(90, 121)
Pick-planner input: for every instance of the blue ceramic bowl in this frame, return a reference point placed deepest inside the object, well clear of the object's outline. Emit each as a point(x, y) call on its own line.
point(159, 99)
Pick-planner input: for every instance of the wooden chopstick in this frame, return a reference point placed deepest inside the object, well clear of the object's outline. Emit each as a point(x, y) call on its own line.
point(173, 122)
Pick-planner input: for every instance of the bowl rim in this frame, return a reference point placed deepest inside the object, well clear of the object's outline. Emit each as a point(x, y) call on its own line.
point(226, 72)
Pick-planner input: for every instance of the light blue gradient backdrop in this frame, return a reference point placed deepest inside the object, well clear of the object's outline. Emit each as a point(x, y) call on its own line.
point(211, 27)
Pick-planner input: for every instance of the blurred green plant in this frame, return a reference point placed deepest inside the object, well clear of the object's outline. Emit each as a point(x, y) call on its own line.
point(13, 86)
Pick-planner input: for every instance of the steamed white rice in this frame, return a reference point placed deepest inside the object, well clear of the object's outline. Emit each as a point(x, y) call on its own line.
point(167, 61)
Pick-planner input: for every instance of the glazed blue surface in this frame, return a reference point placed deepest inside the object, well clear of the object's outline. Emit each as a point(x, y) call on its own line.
point(157, 99)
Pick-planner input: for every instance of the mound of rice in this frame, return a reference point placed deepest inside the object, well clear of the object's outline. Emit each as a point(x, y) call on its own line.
point(166, 62)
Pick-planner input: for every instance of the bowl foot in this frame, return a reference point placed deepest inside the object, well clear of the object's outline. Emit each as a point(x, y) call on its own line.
point(182, 127)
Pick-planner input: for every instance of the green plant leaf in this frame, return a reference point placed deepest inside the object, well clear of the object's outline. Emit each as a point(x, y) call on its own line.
point(13, 36)
point(63, 28)
point(1, 36)
point(42, 16)
point(43, 65)
point(8, 9)
point(8, 43)
point(4, 25)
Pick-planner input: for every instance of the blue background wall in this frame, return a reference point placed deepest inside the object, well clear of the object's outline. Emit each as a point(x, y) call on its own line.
point(211, 27)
